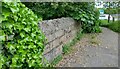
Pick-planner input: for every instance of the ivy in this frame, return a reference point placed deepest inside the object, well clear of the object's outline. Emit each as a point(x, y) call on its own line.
point(22, 41)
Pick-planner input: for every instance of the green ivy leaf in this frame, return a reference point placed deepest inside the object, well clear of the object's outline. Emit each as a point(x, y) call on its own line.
point(15, 18)
point(14, 9)
point(1, 18)
point(32, 34)
point(83, 19)
point(10, 46)
point(26, 29)
point(22, 35)
point(2, 35)
point(6, 12)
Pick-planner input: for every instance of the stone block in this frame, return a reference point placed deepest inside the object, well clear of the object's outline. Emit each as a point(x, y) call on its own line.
point(54, 53)
point(73, 32)
point(48, 48)
point(61, 25)
point(69, 37)
point(57, 51)
point(67, 30)
point(50, 37)
point(72, 27)
point(48, 56)
point(55, 43)
point(63, 39)
point(47, 27)
point(59, 33)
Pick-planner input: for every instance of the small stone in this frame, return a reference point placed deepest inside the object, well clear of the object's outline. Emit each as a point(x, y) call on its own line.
point(98, 44)
point(84, 66)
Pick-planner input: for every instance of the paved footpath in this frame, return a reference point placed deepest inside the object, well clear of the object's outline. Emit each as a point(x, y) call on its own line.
point(93, 50)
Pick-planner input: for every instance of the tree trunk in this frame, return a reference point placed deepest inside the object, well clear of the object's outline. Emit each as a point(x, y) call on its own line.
point(113, 19)
point(109, 14)
point(108, 18)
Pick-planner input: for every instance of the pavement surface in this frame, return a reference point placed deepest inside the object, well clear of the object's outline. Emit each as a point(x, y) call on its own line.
point(93, 50)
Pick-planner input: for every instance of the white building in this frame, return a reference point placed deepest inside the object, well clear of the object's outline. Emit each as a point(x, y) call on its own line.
point(99, 4)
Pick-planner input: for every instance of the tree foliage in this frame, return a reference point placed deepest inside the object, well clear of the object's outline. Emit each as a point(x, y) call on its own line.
point(112, 7)
point(80, 11)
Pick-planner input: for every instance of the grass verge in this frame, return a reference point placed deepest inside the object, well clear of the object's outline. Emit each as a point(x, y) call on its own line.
point(104, 22)
point(56, 60)
point(67, 47)
point(115, 26)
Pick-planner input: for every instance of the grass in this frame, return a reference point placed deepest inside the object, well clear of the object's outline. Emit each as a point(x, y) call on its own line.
point(104, 22)
point(67, 47)
point(115, 26)
point(56, 60)
point(94, 40)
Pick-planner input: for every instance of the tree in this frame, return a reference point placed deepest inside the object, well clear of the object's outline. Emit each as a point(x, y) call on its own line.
point(111, 8)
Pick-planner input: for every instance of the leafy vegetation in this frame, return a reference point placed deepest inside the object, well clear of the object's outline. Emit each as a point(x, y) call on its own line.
point(104, 22)
point(22, 41)
point(115, 26)
point(56, 60)
point(81, 11)
point(112, 11)
point(67, 47)
point(112, 7)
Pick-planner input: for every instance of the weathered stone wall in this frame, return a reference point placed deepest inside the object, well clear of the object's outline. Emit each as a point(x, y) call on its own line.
point(58, 32)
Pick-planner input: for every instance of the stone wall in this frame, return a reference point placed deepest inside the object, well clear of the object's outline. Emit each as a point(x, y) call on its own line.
point(58, 32)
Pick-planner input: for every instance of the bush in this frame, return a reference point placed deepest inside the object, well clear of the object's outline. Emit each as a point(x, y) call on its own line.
point(22, 41)
point(81, 11)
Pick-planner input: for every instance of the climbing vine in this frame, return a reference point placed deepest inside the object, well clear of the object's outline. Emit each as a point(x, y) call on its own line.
point(22, 41)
